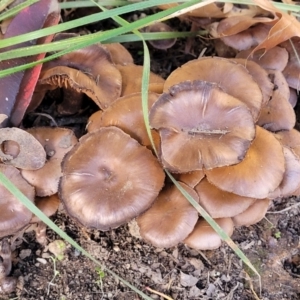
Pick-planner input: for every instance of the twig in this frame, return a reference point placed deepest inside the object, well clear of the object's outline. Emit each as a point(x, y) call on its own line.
point(284, 210)
point(158, 293)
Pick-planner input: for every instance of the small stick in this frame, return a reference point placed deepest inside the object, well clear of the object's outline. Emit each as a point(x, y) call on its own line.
point(158, 293)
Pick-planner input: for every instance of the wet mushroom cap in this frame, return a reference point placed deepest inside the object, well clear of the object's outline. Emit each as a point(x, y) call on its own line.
point(57, 142)
point(13, 214)
point(258, 174)
point(108, 179)
point(192, 138)
point(170, 219)
point(227, 74)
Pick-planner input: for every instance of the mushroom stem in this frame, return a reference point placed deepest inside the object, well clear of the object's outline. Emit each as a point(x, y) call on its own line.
point(5, 253)
point(40, 233)
point(72, 101)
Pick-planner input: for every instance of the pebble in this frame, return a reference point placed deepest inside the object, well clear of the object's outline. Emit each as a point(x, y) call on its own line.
point(42, 260)
point(24, 253)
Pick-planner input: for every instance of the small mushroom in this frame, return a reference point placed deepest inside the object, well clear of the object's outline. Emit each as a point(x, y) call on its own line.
point(161, 27)
point(13, 214)
point(203, 237)
point(192, 138)
point(49, 206)
point(170, 219)
point(260, 172)
point(132, 80)
point(108, 179)
point(119, 54)
point(126, 113)
point(253, 214)
point(273, 59)
point(56, 142)
point(221, 204)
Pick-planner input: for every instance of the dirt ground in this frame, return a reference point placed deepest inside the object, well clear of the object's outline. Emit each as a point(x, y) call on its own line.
point(179, 273)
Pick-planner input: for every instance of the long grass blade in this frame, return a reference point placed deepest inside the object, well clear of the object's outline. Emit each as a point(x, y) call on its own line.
point(103, 36)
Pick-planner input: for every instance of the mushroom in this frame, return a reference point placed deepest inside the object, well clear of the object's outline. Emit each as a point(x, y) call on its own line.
point(49, 206)
point(260, 172)
point(109, 179)
point(20, 149)
point(119, 54)
point(191, 179)
point(88, 70)
point(126, 113)
point(273, 59)
point(192, 138)
point(13, 214)
point(226, 74)
point(56, 142)
point(252, 214)
point(204, 237)
point(218, 203)
point(132, 80)
point(170, 219)
point(161, 27)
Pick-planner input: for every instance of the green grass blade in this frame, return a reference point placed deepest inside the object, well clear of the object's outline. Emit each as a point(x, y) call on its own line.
point(84, 21)
point(25, 201)
point(103, 36)
point(87, 3)
point(60, 45)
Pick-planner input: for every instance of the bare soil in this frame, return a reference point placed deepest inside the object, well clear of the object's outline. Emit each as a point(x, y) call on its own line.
point(179, 273)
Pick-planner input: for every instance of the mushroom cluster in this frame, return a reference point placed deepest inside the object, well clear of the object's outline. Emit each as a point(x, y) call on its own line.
point(222, 127)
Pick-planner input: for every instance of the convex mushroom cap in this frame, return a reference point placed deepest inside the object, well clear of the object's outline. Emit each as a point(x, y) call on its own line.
point(170, 219)
point(108, 179)
point(192, 137)
point(232, 78)
point(258, 174)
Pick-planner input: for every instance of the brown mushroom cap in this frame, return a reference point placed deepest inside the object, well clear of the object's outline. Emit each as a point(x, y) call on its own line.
point(192, 137)
point(221, 204)
point(170, 219)
point(160, 27)
point(273, 59)
point(132, 80)
point(260, 76)
point(253, 214)
point(13, 214)
point(57, 142)
point(191, 179)
point(203, 237)
point(126, 113)
point(227, 74)
point(290, 139)
point(20, 149)
point(105, 81)
point(108, 179)
point(258, 174)
point(119, 54)
point(292, 69)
